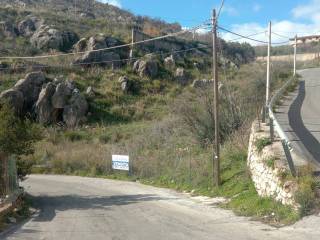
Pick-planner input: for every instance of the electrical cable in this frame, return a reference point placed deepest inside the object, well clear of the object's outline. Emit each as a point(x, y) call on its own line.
point(114, 47)
point(112, 61)
point(249, 38)
point(280, 35)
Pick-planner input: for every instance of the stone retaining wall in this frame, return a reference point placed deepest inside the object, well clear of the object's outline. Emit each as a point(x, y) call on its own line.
point(269, 169)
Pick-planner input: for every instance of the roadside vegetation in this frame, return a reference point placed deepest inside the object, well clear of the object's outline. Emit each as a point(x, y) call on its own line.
point(261, 51)
point(17, 138)
point(167, 131)
point(21, 212)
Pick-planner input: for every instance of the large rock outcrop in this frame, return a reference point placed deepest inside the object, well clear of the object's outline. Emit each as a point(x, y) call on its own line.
point(74, 113)
point(30, 87)
point(44, 109)
point(14, 98)
point(62, 94)
point(8, 29)
point(47, 38)
point(109, 58)
point(28, 26)
point(146, 68)
point(48, 101)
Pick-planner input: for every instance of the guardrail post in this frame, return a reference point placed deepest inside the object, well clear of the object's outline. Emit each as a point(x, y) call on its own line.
point(289, 157)
point(271, 130)
point(263, 117)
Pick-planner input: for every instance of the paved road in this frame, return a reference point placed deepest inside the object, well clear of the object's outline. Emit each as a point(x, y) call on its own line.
point(300, 117)
point(85, 208)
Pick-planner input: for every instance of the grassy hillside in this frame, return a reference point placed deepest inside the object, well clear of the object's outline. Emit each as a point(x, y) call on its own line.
point(167, 131)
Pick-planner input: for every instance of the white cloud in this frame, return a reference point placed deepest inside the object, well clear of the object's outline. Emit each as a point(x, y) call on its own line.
point(310, 11)
point(284, 28)
point(231, 11)
point(256, 7)
point(116, 3)
point(301, 13)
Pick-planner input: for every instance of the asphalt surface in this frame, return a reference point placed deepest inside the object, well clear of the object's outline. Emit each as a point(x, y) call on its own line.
point(86, 208)
point(299, 115)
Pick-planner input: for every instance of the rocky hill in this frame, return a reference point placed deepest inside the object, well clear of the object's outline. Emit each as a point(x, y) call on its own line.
point(46, 27)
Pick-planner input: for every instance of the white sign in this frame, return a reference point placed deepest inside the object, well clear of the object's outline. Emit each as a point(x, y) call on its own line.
point(120, 162)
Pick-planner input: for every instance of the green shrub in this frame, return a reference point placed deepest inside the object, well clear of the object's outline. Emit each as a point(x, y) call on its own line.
point(271, 162)
point(17, 137)
point(250, 204)
point(74, 136)
point(104, 138)
point(305, 196)
point(262, 143)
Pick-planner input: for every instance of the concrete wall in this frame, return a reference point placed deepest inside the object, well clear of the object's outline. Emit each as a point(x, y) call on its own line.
point(285, 58)
point(268, 179)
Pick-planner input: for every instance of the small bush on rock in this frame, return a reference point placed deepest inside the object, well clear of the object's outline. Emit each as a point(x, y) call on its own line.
point(262, 143)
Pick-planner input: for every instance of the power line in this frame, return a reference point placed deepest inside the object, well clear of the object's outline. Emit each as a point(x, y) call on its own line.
point(112, 61)
point(251, 35)
point(295, 33)
point(249, 38)
point(220, 9)
point(114, 47)
point(281, 43)
point(242, 36)
point(280, 35)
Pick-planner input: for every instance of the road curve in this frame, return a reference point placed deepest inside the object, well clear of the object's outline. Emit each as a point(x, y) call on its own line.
point(87, 208)
point(299, 115)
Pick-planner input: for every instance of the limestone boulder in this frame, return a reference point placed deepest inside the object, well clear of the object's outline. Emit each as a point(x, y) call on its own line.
point(125, 83)
point(170, 62)
point(14, 98)
point(30, 87)
point(93, 57)
point(44, 109)
point(8, 29)
point(75, 113)
point(81, 45)
point(146, 68)
point(61, 95)
point(47, 38)
point(181, 76)
point(28, 26)
point(201, 83)
point(49, 101)
point(90, 92)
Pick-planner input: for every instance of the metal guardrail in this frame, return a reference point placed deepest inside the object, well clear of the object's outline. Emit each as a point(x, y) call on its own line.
point(274, 125)
point(283, 136)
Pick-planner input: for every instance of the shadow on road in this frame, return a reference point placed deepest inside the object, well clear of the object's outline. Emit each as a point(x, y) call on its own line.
point(48, 205)
point(296, 123)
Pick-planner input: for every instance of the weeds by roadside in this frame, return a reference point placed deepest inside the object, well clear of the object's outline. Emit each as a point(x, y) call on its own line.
point(20, 212)
point(164, 150)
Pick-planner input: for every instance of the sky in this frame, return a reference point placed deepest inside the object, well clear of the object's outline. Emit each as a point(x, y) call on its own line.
point(289, 17)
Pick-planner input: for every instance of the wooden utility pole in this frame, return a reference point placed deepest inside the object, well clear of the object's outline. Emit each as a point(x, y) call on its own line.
point(216, 150)
point(132, 43)
point(295, 56)
point(268, 70)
